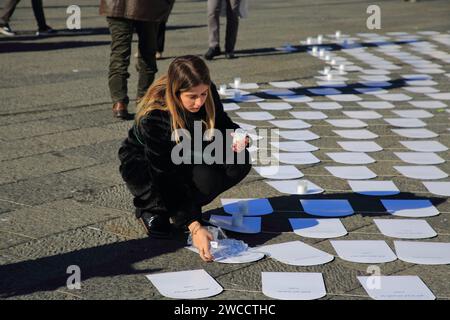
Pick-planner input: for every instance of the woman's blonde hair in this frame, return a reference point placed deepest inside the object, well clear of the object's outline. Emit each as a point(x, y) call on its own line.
point(184, 73)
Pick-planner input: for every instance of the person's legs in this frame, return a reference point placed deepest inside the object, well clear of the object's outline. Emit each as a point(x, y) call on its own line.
point(232, 24)
point(213, 22)
point(121, 35)
point(38, 11)
point(161, 36)
point(212, 180)
point(8, 11)
point(146, 64)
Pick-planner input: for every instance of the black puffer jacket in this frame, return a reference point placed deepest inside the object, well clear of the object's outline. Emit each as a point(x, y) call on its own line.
point(159, 185)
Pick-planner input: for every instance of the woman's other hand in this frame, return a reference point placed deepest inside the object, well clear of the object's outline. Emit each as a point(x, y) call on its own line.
point(201, 238)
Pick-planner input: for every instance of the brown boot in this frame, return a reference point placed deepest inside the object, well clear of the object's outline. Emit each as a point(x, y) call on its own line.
point(120, 110)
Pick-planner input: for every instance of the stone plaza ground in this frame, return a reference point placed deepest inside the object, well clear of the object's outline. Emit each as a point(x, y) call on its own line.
point(63, 202)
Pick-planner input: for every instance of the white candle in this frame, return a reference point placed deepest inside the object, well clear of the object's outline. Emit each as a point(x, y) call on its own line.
point(314, 50)
point(338, 34)
point(237, 82)
point(223, 89)
point(302, 187)
point(321, 52)
point(319, 39)
point(341, 68)
point(308, 40)
point(327, 57)
point(333, 62)
point(326, 70)
point(329, 76)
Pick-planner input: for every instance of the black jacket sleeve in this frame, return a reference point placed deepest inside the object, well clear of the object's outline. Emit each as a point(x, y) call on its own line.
point(177, 192)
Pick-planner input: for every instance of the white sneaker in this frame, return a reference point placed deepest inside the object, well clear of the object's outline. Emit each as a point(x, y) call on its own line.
point(7, 31)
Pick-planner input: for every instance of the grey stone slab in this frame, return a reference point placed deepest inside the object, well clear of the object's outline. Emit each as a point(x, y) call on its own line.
point(27, 147)
point(105, 151)
point(80, 137)
point(54, 217)
point(40, 165)
point(32, 129)
point(48, 188)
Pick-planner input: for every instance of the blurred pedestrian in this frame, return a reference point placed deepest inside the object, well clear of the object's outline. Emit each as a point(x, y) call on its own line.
point(124, 17)
point(38, 10)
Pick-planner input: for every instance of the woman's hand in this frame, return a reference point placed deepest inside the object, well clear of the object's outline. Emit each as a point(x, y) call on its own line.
point(239, 147)
point(201, 239)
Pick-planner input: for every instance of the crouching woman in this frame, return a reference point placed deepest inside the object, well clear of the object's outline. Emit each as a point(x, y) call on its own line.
point(181, 108)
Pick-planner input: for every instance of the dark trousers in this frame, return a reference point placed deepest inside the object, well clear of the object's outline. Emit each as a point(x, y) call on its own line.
point(38, 11)
point(122, 35)
point(161, 36)
point(208, 181)
point(214, 7)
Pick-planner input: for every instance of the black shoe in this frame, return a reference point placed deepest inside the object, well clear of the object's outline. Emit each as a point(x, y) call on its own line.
point(230, 55)
point(212, 52)
point(47, 31)
point(156, 226)
point(7, 31)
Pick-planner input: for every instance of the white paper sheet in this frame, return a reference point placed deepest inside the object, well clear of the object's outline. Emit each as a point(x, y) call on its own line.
point(290, 124)
point(423, 158)
point(420, 83)
point(255, 116)
point(297, 98)
point(424, 146)
point(363, 115)
point(405, 228)
point(324, 105)
point(278, 92)
point(422, 172)
point(371, 90)
point(363, 251)
point(318, 228)
point(396, 288)
point(245, 86)
point(250, 224)
point(296, 157)
point(344, 97)
point(293, 285)
point(231, 106)
point(300, 135)
point(296, 253)
point(376, 84)
point(376, 105)
point(274, 105)
point(374, 188)
point(247, 98)
point(324, 91)
point(327, 207)
point(375, 72)
point(351, 172)
point(438, 188)
point(255, 207)
point(428, 253)
point(294, 146)
point(332, 84)
point(356, 134)
point(405, 122)
point(410, 208)
point(285, 84)
point(291, 186)
point(243, 257)
point(350, 157)
point(428, 104)
point(194, 284)
point(308, 115)
point(439, 96)
point(347, 123)
point(415, 133)
point(281, 172)
point(360, 146)
point(417, 77)
point(418, 114)
point(420, 89)
point(394, 97)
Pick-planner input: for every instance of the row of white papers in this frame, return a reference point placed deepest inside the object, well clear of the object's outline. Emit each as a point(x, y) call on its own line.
point(197, 284)
point(252, 207)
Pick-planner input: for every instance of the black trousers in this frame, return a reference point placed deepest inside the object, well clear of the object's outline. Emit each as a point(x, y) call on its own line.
point(161, 36)
point(208, 181)
point(38, 11)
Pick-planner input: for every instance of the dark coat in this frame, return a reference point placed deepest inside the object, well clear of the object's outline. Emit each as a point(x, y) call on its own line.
point(143, 10)
point(158, 185)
